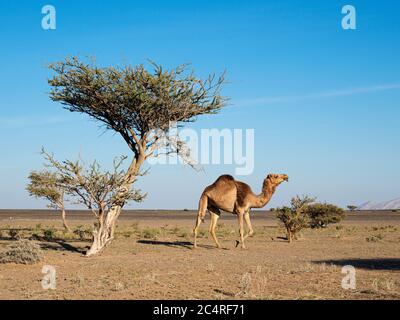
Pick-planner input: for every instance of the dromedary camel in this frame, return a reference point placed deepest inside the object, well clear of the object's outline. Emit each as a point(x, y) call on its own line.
point(235, 197)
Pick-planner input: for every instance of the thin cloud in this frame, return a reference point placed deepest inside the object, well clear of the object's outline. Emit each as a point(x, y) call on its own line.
point(320, 95)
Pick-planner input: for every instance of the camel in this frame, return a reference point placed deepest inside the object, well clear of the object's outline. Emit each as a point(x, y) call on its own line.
point(235, 197)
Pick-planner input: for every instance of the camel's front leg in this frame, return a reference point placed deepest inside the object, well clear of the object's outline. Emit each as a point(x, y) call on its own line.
point(241, 229)
point(213, 225)
point(248, 223)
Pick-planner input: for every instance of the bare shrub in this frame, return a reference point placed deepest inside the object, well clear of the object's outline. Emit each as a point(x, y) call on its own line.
point(22, 252)
point(14, 234)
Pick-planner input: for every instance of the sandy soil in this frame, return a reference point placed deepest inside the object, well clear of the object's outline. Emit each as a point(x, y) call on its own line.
point(152, 258)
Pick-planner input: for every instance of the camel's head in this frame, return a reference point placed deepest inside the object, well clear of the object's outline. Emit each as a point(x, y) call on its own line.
point(277, 179)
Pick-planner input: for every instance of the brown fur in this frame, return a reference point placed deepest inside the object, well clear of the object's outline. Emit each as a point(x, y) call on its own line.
point(235, 197)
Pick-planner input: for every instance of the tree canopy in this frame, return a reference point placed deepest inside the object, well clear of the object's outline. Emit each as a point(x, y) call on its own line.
point(45, 184)
point(134, 101)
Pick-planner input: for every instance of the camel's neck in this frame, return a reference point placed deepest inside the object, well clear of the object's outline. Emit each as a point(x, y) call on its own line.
point(268, 190)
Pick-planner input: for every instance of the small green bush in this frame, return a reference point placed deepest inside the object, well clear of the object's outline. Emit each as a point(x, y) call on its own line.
point(175, 230)
point(183, 234)
point(150, 233)
point(126, 234)
point(322, 214)
point(202, 233)
point(49, 234)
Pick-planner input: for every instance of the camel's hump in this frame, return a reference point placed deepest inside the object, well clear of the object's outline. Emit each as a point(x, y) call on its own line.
point(225, 177)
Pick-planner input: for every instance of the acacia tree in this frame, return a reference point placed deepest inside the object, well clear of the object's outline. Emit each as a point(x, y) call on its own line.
point(95, 189)
point(46, 185)
point(352, 208)
point(139, 105)
point(295, 217)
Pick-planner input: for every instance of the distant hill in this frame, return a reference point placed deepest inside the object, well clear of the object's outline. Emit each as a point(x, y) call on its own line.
point(388, 205)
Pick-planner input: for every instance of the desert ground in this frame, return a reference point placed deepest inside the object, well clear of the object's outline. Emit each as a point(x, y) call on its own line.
point(152, 258)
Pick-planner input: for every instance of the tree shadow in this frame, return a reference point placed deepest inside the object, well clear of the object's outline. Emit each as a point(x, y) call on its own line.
point(51, 244)
point(370, 264)
point(61, 246)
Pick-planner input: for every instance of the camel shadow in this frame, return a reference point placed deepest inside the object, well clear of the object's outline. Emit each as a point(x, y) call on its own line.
point(177, 244)
point(180, 244)
point(392, 264)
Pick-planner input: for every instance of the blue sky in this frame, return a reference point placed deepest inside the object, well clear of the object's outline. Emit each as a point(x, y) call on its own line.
point(323, 101)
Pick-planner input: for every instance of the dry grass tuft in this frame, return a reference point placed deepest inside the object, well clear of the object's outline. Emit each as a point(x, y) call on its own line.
point(21, 252)
point(245, 285)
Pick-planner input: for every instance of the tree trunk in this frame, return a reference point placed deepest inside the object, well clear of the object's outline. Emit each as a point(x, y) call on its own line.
point(103, 234)
point(289, 235)
point(104, 231)
point(64, 220)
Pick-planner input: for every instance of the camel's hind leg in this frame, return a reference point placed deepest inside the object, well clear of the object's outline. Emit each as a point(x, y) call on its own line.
point(200, 217)
point(195, 231)
point(215, 213)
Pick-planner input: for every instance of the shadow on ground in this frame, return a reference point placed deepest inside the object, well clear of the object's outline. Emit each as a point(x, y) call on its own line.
point(370, 264)
point(181, 244)
point(225, 293)
point(51, 244)
point(61, 246)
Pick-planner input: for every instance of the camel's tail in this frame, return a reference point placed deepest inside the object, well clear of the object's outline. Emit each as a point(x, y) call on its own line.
point(202, 207)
